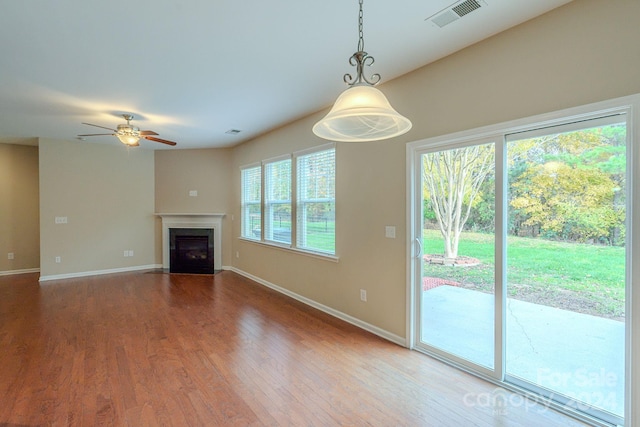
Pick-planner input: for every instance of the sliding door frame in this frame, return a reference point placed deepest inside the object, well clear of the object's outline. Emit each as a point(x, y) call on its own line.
point(497, 372)
point(630, 106)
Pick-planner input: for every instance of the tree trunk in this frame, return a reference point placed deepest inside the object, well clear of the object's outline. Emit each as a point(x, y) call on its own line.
point(453, 179)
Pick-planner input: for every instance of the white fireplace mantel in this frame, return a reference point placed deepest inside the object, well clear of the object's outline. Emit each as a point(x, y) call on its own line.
point(193, 220)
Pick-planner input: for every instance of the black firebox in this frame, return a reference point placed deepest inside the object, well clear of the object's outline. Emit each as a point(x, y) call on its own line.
point(191, 250)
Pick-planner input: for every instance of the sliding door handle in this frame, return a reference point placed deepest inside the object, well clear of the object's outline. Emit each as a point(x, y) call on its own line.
point(419, 243)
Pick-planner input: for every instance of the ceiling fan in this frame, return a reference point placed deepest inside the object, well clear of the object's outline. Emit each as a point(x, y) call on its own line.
point(128, 134)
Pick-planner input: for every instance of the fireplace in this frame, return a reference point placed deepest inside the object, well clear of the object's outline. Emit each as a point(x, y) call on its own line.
point(194, 221)
point(191, 250)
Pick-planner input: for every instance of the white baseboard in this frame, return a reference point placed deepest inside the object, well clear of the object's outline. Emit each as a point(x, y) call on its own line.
point(335, 313)
point(12, 272)
point(98, 272)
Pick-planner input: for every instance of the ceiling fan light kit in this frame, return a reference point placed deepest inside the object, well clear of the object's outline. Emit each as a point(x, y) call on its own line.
point(361, 113)
point(128, 134)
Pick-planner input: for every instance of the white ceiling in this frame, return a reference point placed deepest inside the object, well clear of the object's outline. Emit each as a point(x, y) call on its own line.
point(193, 69)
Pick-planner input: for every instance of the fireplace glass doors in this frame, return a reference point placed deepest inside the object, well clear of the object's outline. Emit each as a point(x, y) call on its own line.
point(191, 250)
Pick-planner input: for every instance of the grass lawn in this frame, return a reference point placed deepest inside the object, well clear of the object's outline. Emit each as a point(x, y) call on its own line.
point(588, 275)
point(321, 235)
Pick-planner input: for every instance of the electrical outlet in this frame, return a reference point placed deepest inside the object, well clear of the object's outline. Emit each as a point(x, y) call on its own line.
point(10, 255)
point(237, 254)
point(58, 260)
point(363, 295)
point(126, 253)
point(390, 231)
point(61, 220)
point(130, 252)
point(193, 193)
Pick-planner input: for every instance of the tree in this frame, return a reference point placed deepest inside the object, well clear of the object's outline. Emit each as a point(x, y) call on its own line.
point(566, 202)
point(453, 179)
point(570, 185)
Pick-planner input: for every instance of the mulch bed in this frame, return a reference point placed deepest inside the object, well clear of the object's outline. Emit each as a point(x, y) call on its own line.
point(435, 259)
point(462, 261)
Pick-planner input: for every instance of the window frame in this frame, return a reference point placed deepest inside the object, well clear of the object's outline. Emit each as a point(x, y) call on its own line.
point(301, 214)
point(245, 213)
point(629, 106)
point(268, 202)
point(274, 243)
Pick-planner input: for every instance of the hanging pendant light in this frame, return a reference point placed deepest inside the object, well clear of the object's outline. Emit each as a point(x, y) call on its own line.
point(361, 113)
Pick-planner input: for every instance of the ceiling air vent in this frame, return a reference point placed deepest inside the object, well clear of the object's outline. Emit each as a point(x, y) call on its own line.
point(466, 7)
point(455, 12)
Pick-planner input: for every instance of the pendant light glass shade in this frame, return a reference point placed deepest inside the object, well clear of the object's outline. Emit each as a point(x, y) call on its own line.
point(361, 114)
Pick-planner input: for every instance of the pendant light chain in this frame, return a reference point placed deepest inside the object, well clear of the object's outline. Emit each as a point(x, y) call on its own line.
point(360, 31)
point(360, 59)
point(361, 113)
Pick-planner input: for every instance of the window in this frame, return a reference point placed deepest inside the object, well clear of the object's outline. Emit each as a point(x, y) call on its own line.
point(316, 204)
point(251, 208)
point(277, 201)
point(298, 202)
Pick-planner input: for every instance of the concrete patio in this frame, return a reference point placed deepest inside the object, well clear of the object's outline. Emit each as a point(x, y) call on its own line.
point(572, 354)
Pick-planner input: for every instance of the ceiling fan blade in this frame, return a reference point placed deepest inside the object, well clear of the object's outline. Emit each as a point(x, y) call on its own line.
point(98, 126)
point(96, 134)
point(164, 141)
point(147, 132)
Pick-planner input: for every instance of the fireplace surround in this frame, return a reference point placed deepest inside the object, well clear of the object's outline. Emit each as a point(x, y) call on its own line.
point(212, 221)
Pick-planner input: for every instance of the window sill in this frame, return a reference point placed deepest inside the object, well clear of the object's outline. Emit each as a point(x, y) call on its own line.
point(275, 245)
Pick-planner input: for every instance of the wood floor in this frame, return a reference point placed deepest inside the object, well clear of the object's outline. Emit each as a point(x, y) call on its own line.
point(149, 348)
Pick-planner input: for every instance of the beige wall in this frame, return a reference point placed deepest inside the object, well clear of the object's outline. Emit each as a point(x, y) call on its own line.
point(107, 193)
point(205, 171)
point(583, 52)
point(19, 211)
point(370, 195)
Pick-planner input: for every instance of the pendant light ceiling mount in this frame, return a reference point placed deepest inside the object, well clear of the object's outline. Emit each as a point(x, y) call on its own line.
point(361, 113)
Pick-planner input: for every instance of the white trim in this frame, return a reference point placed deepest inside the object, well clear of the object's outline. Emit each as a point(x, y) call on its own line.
point(500, 260)
point(268, 222)
point(320, 255)
point(335, 313)
point(193, 215)
point(632, 301)
point(538, 132)
point(251, 165)
point(315, 149)
point(23, 271)
point(279, 158)
point(412, 250)
point(98, 272)
point(585, 112)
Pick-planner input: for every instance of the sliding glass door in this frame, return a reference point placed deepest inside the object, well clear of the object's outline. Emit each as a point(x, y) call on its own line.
point(566, 245)
point(520, 261)
point(457, 281)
